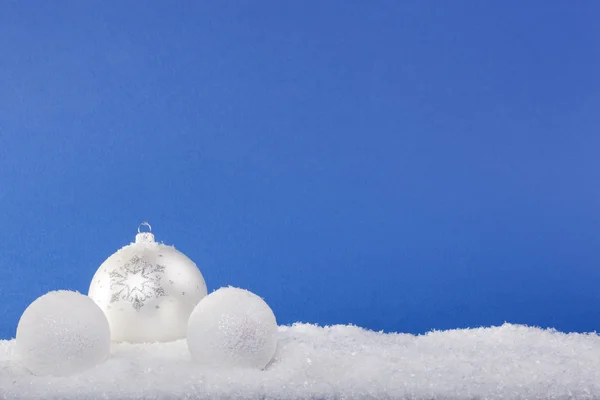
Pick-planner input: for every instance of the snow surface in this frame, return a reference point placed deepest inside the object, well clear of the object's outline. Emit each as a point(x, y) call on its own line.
point(341, 362)
point(232, 327)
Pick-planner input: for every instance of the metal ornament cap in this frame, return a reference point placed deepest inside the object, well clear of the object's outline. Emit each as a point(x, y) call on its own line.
point(144, 237)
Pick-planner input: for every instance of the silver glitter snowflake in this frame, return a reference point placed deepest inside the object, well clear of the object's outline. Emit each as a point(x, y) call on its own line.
point(137, 281)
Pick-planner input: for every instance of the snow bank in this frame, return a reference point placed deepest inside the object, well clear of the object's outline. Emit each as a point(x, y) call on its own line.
point(341, 362)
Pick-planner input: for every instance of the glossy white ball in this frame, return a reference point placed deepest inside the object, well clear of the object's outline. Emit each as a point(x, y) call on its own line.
point(62, 333)
point(147, 291)
point(232, 327)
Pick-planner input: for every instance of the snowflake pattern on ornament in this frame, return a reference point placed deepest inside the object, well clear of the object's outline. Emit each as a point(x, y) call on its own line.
point(137, 281)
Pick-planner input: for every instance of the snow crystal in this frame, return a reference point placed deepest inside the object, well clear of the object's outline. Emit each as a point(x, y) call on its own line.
point(341, 362)
point(232, 327)
point(61, 333)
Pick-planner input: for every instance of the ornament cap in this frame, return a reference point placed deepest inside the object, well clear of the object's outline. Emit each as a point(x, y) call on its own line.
point(145, 236)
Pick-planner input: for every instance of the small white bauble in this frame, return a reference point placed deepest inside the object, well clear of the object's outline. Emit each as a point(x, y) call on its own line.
point(232, 327)
point(62, 333)
point(147, 291)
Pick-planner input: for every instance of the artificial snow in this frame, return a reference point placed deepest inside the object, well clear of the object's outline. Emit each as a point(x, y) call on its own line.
point(341, 362)
point(62, 333)
point(232, 327)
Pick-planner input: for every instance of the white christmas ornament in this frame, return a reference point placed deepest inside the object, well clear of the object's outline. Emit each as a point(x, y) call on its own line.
point(147, 291)
point(232, 328)
point(62, 333)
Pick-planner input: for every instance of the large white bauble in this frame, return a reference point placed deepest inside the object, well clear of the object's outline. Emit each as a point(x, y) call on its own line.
point(147, 291)
point(62, 333)
point(232, 327)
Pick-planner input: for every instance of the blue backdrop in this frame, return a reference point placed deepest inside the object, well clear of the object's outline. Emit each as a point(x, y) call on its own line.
point(402, 165)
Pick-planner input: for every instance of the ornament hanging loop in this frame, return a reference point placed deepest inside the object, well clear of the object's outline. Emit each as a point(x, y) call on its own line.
point(145, 236)
point(144, 224)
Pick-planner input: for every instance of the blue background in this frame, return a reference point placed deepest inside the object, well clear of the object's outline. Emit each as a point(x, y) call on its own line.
point(401, 165)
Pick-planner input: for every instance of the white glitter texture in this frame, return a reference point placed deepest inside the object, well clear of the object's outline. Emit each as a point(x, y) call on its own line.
point(232, 328)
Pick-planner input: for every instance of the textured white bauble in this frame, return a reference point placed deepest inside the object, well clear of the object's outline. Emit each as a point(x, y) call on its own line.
point(62, 333)
point(232, 327)
point(147, 291)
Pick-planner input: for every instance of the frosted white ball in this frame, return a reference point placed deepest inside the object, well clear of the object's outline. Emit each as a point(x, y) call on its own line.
point(232, 328)
point(62, 333)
